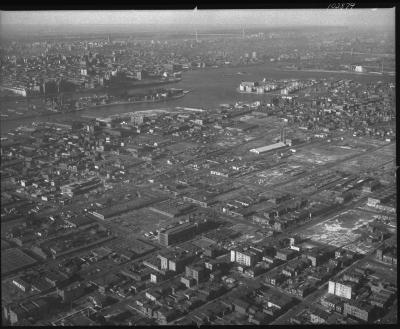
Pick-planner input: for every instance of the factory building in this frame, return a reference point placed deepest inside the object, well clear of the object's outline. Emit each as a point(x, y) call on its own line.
point(276, 146)
point(264, 149)
point(80, 187)
point(177, 234)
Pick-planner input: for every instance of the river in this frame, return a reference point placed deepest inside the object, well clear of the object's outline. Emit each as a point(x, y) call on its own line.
point(209, 88)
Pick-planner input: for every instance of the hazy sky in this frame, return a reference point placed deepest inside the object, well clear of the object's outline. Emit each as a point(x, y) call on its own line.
point(286, 17)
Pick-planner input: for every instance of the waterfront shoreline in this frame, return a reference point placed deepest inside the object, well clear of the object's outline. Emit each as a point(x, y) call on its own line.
point(185, 92)
point(338, 72)
point(258, 94)
point(214, 90)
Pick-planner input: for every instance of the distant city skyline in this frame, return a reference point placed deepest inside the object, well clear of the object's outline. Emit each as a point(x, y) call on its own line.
point(282, 17)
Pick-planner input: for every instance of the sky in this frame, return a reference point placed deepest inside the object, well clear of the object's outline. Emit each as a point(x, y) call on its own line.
point(282, 17)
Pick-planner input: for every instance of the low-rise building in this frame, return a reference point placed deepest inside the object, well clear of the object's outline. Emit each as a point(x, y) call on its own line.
point(268, 148)
point(244, 257)
point(359, 310)
point(196, 271)
point(340, 289)
point(71, 292)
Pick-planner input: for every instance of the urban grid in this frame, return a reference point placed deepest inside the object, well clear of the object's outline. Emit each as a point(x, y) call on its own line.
point(198, 173)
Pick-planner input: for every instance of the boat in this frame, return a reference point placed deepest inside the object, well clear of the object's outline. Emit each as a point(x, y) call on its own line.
point(184, 92)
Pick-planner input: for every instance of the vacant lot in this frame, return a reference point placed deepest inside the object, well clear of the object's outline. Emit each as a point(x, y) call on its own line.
point(369, 160)
point(322, 154)
point(141, 221)
point(342, 231)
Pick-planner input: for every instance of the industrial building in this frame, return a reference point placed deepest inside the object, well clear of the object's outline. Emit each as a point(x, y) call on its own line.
point(176, 234)
point(272, 147)
point(171, 209)
point(80, 187)
point(276, 146)
point(175, 261)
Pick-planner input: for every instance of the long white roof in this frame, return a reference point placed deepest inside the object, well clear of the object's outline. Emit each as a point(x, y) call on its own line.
point(268, 147)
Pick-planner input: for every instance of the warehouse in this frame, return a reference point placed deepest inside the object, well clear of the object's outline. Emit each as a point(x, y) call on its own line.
point(177, 234)
point(171, 208)
point(14, 259)
point(264, 149)
point(121, 208)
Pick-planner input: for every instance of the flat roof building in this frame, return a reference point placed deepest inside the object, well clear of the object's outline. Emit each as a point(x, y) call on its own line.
point(264, 149)
point(177, 234)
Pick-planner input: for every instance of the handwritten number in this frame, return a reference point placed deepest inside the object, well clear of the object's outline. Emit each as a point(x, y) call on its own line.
point(343, 5)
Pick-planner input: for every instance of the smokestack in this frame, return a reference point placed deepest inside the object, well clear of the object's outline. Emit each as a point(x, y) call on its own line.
point(284, 135)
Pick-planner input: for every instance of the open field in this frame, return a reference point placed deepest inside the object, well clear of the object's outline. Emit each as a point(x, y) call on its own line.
point(364, 142)
point(140, 221)
point(369, 160)
point(229, 141)
point(342, 231)
point(277, 175)
point(260, 118)
point(323, 154)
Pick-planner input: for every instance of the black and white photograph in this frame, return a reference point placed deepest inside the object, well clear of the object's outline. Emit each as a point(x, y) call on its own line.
point(198, 166)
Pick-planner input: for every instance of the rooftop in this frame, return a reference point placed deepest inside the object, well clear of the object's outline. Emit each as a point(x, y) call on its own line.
point(268, 147)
